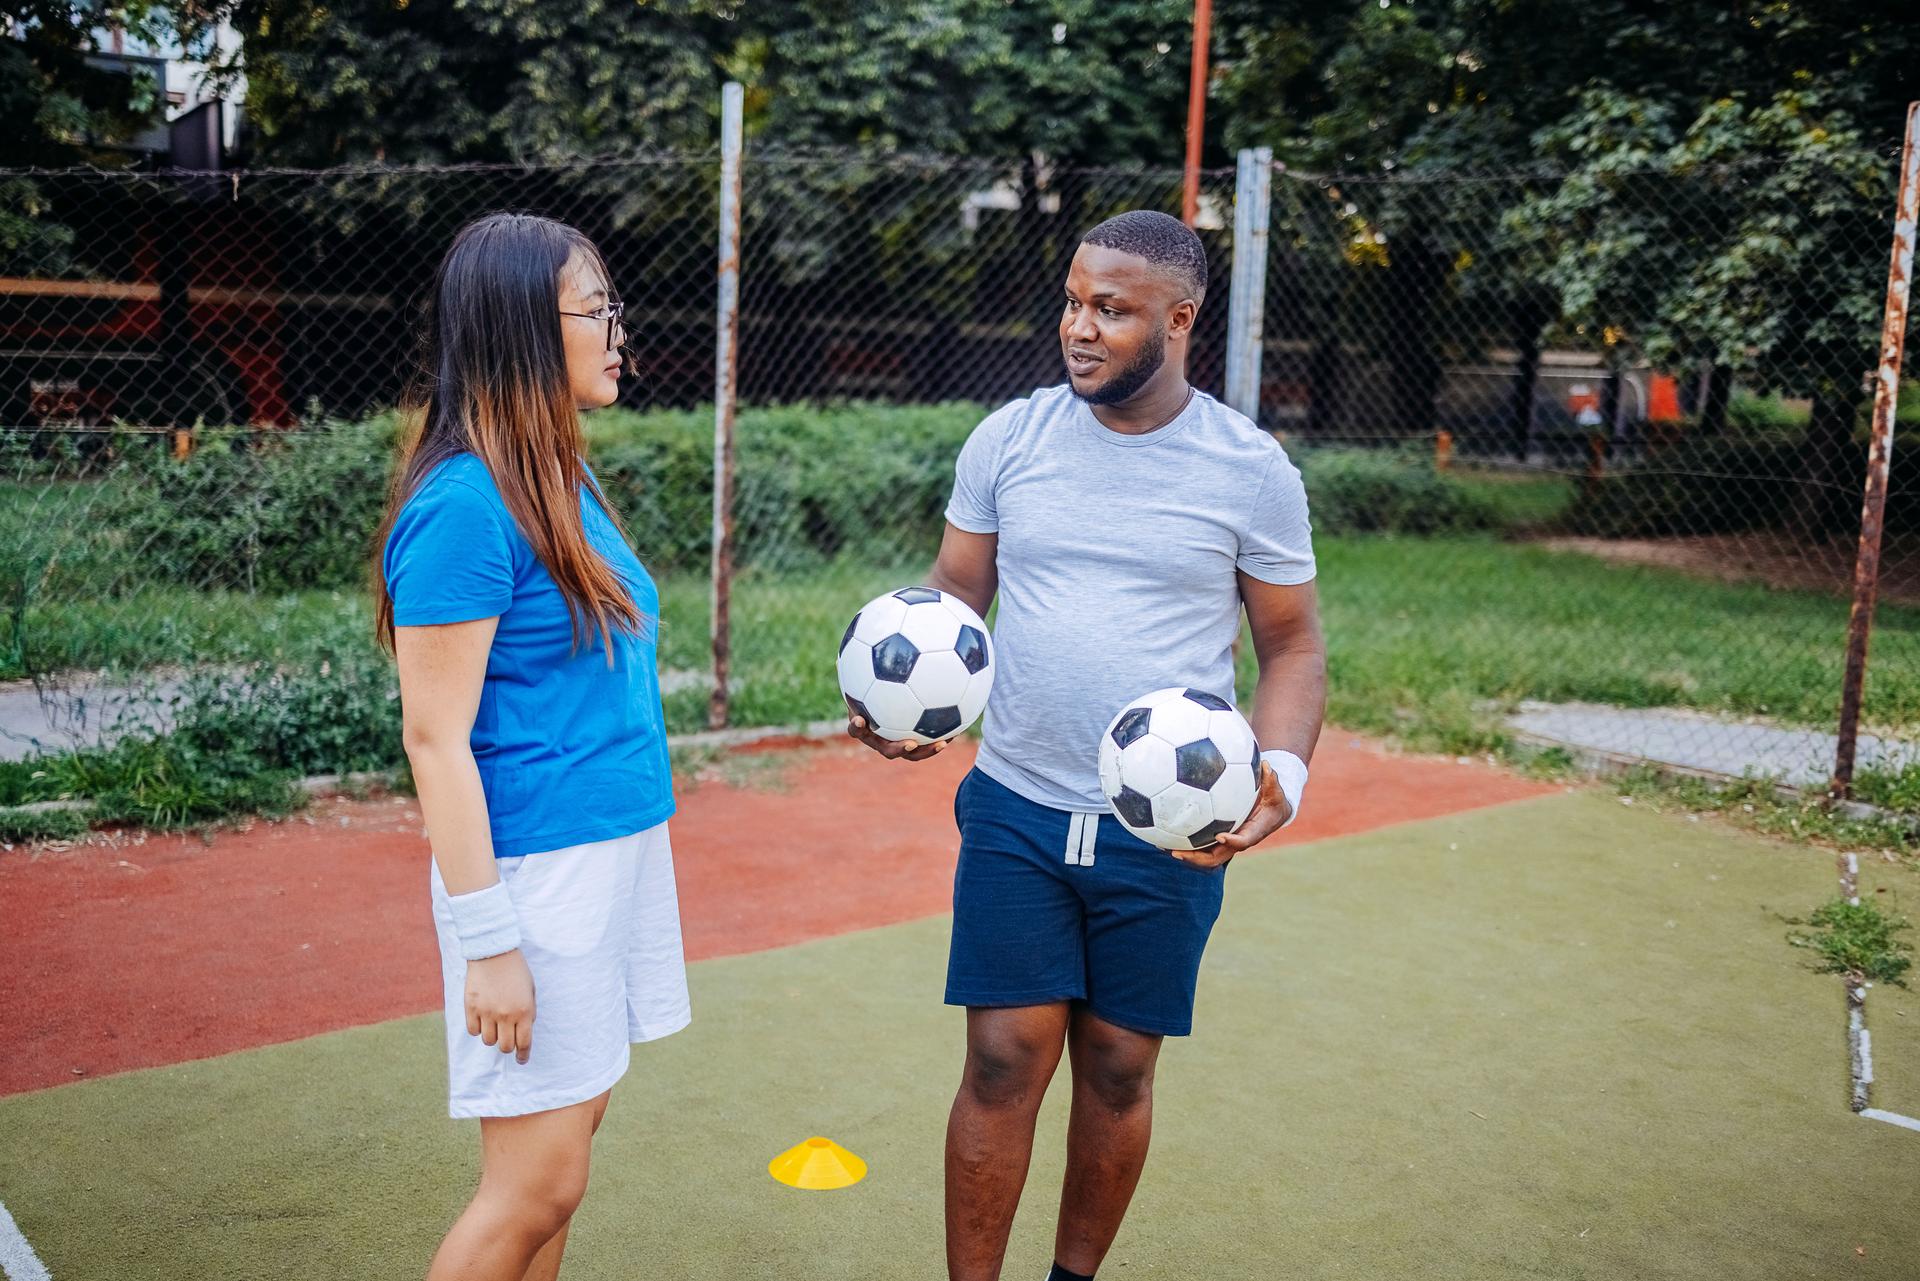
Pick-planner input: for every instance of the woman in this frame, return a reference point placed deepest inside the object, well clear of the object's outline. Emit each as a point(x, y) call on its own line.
point(523, 629)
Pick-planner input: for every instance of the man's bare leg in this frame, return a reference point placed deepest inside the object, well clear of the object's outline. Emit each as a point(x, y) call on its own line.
point(1107, 1136)
point(1011, 1056)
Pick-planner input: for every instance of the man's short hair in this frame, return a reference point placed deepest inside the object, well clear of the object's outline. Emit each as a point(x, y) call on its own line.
point(1162, 240)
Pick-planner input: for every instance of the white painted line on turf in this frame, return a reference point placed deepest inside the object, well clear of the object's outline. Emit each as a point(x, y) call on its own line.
point(17, 1258)
point(1892, 1118)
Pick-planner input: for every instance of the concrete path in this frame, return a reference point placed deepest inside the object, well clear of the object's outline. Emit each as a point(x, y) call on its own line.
point(84, 713)
point(89, 711)
point(1699, 741)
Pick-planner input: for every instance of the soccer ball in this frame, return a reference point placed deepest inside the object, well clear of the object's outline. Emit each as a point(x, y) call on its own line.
point(916, 664)
point(1180, 768)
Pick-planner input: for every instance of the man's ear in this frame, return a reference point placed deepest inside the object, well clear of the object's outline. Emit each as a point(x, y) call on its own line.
point(1180, 318)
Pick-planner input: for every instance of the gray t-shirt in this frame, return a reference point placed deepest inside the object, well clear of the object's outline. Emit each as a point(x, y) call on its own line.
point(1117, 558)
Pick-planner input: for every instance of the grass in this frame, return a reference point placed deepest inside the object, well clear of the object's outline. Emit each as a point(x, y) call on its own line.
point(1429, 641)
point(174, 626)
point(1859, 940)
point(1423, 633)
point(786, 630)
point(18, 825)
point(1752, 804)
point(1897, 789)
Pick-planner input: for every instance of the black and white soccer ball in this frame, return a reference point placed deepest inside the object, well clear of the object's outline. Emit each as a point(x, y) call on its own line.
point(1180, 768)
point(916, 663)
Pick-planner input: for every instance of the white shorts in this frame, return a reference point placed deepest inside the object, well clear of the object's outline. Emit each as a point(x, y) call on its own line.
point(600, 928)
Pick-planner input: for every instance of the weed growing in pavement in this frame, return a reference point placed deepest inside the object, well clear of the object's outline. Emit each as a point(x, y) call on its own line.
point(1860, 940)
point(1754, 804)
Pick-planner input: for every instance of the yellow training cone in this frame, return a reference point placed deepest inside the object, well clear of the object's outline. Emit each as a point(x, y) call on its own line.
point(818, 1165)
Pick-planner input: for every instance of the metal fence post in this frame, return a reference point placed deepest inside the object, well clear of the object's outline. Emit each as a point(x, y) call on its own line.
point(1247, 294)
point(725, 385)
point(1886, 395)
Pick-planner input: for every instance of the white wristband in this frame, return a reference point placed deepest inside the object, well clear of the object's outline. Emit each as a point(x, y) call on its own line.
point(484, 922)
point(1291, 771)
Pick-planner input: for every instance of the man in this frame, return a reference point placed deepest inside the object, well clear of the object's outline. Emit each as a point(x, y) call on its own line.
point(1123, 520)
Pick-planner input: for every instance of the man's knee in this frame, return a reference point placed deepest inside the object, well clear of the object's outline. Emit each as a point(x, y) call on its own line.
point(1006, 1071)
point(1119, 1074)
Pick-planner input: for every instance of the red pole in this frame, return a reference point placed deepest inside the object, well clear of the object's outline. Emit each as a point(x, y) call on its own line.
point(1196, 108)
point(1886, 395)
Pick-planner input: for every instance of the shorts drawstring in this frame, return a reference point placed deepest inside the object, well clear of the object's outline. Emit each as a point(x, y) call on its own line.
point(1083, 832)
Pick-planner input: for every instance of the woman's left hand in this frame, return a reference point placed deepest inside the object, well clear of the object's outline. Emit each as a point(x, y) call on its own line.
point(1270, 810)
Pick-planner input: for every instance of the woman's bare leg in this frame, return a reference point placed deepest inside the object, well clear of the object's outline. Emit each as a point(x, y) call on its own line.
point(533, 1174)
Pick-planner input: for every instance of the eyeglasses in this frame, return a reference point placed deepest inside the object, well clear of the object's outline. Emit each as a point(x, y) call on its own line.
point(611, 313)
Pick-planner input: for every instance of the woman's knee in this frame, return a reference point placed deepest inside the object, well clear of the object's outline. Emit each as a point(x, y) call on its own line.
point(535, 1176)
point(534, 1208)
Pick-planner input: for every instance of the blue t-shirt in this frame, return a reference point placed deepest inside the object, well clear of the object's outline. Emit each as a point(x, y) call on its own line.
point(570, 750)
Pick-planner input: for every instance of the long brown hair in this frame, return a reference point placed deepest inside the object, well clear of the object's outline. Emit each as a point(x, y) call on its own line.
point(492, 382)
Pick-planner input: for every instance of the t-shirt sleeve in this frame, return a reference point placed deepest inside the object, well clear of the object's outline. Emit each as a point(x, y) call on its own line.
point(449, 558)
point(976, 477)
point(1278, 546)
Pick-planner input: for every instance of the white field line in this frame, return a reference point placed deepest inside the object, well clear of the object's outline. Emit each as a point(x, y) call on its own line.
point(17, 1258)
point(1859, 1039)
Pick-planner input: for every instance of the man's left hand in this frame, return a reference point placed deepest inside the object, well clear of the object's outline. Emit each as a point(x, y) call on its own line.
point(1269, 812)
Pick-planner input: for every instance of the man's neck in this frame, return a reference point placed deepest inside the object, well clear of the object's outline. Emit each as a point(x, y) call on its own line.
point(1154, 405)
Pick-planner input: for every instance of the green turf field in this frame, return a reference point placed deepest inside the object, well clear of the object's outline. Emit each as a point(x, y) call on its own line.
point(1560, 1038)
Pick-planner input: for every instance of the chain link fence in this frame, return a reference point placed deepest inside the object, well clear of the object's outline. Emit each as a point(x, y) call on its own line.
point(1584, 451)
point(1637, 404)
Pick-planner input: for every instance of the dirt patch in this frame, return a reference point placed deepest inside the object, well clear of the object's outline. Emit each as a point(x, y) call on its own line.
point(143, 950)
point(1776, 560)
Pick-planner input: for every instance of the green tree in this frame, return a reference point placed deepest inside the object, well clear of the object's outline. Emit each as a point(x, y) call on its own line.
point(418, 81)
point(60, 109)
point(1702, 181)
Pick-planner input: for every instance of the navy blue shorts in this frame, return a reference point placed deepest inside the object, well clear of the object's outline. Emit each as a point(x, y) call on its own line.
point(1051, 906)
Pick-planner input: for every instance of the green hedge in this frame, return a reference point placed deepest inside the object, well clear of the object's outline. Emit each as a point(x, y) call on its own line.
point(300, 511)
point(1696, 487)
point(868, 482)
point(1361, 491)
point(260, 513)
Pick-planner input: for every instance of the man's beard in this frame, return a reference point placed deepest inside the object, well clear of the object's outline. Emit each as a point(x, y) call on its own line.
point(1127, 383)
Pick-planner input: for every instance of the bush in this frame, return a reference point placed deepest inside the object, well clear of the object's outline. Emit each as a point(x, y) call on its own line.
point(1696, 487)
point(155, 781)
point(1751, 413)
point(19, 825)
point(240, 738)
point(258, 512)
point(337, 713)
point(276, 514)
point(1353, 491)
point(812, 483)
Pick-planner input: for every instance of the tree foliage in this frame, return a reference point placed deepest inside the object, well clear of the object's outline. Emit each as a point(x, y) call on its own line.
point(435, 81)
point(60, 109)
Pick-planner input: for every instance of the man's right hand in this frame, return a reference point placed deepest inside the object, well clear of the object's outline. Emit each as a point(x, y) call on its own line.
point(905, 750)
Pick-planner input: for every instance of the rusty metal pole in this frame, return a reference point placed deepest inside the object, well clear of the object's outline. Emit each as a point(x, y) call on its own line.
point(1196, 110)
point(1886, 395)
point(725, 387)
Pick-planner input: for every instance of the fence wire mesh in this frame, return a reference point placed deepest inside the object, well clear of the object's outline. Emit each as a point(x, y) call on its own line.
point(1638, 403)
point(1584, 451)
